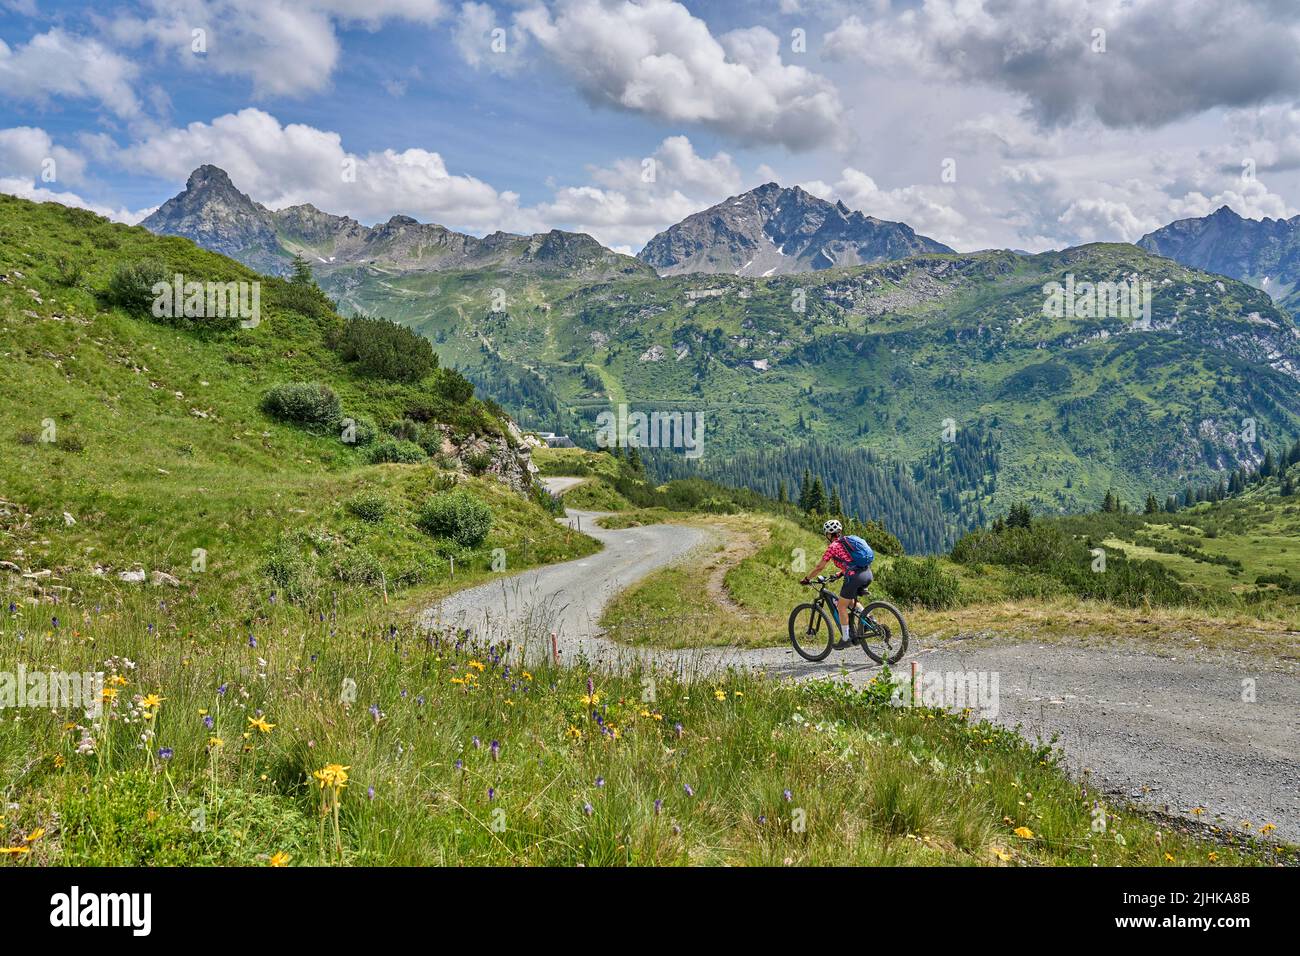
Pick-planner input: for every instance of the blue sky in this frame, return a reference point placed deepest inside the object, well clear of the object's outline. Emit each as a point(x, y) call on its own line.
point(1052, 140)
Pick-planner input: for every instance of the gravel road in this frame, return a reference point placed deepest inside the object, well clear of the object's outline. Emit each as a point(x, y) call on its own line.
point(1165, 730)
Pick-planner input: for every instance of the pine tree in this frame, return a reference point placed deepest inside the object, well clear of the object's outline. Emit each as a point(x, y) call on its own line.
point(836, 506)
point(301, 274)
point(1152, 506)
point(782, 493)
point(805, 490)
point(817, 498)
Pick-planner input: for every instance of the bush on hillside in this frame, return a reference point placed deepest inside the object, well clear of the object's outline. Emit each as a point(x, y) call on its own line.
point(303, 403)
point(457, 515)
point(368, 506)
point(130, 287)
point(386, 350)
point(396, 451)
point(924, 583)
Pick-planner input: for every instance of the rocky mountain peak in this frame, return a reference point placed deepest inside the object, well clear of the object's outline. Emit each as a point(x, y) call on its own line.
point(774, 230)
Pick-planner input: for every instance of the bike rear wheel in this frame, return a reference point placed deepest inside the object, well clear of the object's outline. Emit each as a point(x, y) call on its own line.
point(884, 632)
point(811, 632)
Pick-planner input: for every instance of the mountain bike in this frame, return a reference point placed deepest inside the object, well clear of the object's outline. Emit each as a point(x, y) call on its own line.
point(878, 628)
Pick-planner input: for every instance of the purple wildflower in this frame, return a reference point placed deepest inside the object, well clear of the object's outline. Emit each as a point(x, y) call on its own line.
point(600, 781)
point(586, 808)
point(496, 750)
point(659, 807)
point(370, 792)
point(165, 753)
point(208, 722)
point(690, 791)
point(787, 795)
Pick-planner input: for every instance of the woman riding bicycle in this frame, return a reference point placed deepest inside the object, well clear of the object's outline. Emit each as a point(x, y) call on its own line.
point(855, 579)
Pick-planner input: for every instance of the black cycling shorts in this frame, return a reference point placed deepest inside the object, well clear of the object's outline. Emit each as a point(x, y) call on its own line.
point(855, 583)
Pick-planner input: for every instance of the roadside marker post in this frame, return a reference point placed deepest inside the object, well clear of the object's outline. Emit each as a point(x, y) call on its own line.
point(555, 648)
point(915, 671)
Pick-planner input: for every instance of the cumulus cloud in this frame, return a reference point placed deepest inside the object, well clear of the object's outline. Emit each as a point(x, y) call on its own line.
point(481, 46)
point(654, 57)
point(26, 151)
point(1129, 63)
point(283, 165)
point(61, 64)
point(628, 202)
point(927, 209)
point(286, 47)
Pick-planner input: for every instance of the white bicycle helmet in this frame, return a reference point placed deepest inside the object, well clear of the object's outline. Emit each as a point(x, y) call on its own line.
point(832, 527)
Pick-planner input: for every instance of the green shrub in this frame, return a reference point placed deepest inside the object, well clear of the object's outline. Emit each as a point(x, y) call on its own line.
point(358, 432)
point(357, 566)
point(368, 506)
point(293, 574)
point(923, 583)
point(396, 451)
point(131, 285)
point(384, 349)
point(477, 462)
point(457, 515)
point(303, 403)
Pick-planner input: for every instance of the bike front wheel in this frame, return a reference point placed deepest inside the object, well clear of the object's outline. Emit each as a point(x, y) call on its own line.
point(811, 632)
point(884, 632)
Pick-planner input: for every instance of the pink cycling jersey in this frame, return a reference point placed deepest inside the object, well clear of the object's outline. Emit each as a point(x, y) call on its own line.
point(839, 554)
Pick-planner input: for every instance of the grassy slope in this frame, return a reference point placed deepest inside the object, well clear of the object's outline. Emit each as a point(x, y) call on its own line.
point(162, 447)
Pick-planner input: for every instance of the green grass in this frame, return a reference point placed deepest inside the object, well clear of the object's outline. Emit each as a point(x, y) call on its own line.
point(777, 774)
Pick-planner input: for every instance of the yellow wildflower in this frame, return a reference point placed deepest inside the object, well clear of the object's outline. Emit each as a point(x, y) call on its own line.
point(333, 775)
point(1267, 828)
point(261, 724)
point(477, 665)
point(719, 694)
point(1024, 833)
point(1001, 854)
point(215, 742)
point(280, 858)
point(574, 732)
point(36, 834)
point(152, 702)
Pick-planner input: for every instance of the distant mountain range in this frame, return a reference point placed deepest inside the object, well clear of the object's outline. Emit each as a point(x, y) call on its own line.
point(766, 231)
point(1262, 252)
point(216, 215)
point(774, 231)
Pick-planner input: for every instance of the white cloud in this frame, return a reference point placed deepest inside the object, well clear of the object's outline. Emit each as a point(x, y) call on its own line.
point(57, 63)
point(283, 165)
point(286, 47)
point(23, 188)
point(631, 200)
point(480, 46)
point(26, 151)
point(654, 57)
point(1153, 61)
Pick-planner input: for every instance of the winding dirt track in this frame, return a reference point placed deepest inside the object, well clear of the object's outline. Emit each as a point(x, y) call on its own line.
point(1165, 730)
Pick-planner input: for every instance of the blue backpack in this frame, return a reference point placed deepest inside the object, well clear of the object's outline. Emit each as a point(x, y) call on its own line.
point(859, 552)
